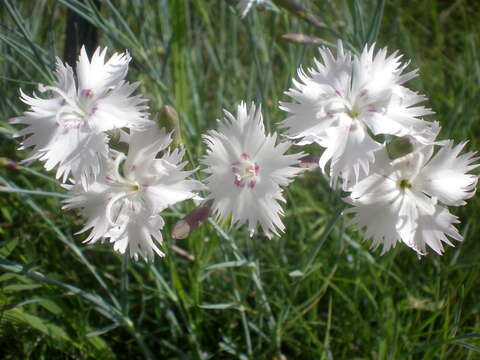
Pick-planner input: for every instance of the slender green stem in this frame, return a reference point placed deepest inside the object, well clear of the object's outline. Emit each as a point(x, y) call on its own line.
point(141, 342)
point(124, 284)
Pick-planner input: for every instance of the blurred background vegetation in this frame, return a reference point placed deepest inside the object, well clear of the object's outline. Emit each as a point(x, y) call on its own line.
point(317, 292)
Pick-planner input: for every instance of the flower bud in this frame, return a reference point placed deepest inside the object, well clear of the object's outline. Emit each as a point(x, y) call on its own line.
point(309, 162)
point(10, 164)
point(303, 39)
point(192, 221)
point(170, 121)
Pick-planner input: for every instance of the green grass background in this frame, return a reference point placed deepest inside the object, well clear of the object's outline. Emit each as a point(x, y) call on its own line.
point(318, 291)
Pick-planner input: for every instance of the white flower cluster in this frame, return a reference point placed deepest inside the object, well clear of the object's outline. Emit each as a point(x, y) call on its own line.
point(399, 191)
point(120, 195)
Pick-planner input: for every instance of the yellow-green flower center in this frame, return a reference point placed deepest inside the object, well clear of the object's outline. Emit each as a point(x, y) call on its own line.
point(353, 113)
point(404, 184)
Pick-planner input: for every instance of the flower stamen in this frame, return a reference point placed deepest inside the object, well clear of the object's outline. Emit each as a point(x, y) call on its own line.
point(245, 171)
point(404, 184)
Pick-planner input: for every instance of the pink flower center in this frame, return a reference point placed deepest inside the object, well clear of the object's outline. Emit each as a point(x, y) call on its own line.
point(245, 172)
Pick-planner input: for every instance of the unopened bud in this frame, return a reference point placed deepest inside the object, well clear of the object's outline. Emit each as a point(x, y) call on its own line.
point(303, 39)
point(192, 221)
point(262, 7)
point(170, 121)
point(10, 164)
point(400, 147)
point(309, 162)
point(298, 10)
point(181, 230)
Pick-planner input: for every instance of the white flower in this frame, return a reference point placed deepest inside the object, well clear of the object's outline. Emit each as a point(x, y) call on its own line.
point(244, 6)
point(247, 170)
point(67, 128)
point(347, 95)
point(398, 200)
point(124, 202)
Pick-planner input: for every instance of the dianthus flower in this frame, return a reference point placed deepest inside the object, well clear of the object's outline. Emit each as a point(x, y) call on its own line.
point(67, 129)
point(345, 97)
point(124, 202)
point(401, 199)
point(247, 171)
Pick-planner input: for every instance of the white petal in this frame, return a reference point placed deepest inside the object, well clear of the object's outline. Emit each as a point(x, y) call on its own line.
point(433, 229)
point(446, 175)
point(350, 150)
point(118, 109)
point(380, 218)
point(99, 76)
